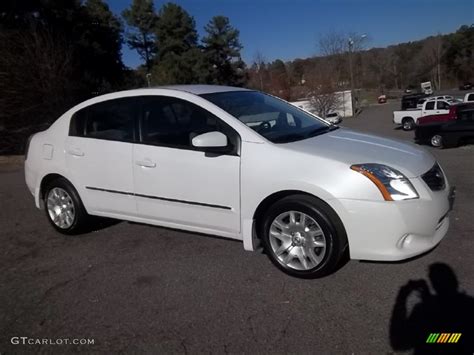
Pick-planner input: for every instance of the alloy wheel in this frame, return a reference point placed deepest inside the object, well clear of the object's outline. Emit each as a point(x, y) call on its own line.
point(60, 208)
point(297, 240)
point(436, 140)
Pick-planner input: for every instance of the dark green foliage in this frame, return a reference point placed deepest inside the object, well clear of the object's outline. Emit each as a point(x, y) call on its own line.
point(179, 57)
point(55, 53)
point(89, 30)
point(222, 48)
point(176, 31)
point(142, 19)
point(99, 43)
point(459, 56)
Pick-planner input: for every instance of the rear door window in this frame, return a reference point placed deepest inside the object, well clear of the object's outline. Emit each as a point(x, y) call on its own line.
point(430, 105)
point(442, 105)
point(108, 120)
point(466, 115)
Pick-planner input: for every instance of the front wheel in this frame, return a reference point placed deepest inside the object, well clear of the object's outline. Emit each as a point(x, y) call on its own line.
point(303, 236)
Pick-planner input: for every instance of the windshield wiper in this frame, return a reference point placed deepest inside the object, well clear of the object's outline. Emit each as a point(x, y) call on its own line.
point(321, 130)
point(300, 136)
point(289, 138)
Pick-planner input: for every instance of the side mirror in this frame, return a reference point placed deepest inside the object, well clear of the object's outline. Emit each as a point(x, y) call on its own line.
point(210, 140)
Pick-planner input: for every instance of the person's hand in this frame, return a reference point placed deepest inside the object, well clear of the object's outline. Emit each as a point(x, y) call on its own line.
point(418, 287)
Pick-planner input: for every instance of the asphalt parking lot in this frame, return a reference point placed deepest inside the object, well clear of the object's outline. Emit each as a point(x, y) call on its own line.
point(138, 288)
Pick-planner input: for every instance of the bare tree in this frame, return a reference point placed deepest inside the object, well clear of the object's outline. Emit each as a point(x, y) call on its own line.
point(321, 85)
point(430, 58)
point(341, 48)
point(35, 78)
point(259, 62)
point(332, 43)
point(323, 102)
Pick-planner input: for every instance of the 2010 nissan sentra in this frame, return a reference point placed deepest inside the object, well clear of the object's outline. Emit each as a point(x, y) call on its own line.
point(240, 164)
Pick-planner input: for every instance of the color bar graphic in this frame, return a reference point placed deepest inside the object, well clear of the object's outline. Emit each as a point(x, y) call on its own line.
point(443, 338)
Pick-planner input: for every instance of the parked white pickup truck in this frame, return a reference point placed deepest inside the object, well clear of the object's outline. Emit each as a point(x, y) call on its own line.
point(409, 118)
point(469, 97)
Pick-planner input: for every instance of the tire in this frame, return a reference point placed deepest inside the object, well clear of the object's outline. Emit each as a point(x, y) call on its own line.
point(408, 124)
point(64, 208)
point(437, 141)
point(313, 246)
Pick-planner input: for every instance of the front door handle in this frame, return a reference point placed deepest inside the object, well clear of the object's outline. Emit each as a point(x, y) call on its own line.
point(145, 163)
point(76, 152)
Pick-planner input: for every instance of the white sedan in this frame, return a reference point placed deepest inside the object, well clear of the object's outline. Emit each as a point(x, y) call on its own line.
point(333, 118)
point(240, 164)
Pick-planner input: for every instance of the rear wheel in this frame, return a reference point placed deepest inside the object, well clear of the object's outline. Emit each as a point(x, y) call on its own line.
point(303, 236)
point(64, 208)
point(408, 124)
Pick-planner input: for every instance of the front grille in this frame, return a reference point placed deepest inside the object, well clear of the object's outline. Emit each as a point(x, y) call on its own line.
point(434, 178)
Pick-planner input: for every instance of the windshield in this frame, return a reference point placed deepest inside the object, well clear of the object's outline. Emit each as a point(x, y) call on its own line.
point(274, 119)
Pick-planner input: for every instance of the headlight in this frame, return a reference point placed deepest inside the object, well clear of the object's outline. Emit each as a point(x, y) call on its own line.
point(393, 185)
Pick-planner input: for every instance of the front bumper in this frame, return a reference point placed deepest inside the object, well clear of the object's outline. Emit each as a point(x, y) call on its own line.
point(397, 230)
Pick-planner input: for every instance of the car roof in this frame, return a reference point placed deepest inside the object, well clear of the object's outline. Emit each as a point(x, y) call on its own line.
point(440, 97)
point(155, 90)
point(201, 89)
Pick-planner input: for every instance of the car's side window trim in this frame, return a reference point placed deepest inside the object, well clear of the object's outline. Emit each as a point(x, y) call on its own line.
point(222, 126)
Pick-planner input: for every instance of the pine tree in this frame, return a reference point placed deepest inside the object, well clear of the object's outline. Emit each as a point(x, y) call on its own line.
point(142, 19)
point(179, 59)
point(99, 46)
point(222, 48)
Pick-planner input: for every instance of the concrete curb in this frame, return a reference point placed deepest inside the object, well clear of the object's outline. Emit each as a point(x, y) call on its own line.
point(15, 160)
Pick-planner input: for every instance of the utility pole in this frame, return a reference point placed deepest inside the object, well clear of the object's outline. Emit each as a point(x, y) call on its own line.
point(438, 58)
point(351, 42)
point(148, 79)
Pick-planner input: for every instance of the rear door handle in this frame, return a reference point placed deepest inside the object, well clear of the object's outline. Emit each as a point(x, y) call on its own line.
point(146, 163)
point(76, 152)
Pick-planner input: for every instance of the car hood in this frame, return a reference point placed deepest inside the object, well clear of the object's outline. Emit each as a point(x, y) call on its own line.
point(352, 147)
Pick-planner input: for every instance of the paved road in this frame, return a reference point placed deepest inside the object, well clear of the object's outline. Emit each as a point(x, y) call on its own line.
point(137, 288)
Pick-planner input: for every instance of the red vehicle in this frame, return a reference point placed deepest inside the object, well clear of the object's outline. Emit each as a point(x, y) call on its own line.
point(450, 116)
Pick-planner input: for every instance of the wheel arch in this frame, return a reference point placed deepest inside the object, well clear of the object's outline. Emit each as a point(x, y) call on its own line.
point(406, 118)
point(276, 196)
point(45, 180)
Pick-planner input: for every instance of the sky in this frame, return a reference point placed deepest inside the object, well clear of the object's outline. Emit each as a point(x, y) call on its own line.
point(289, 29)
